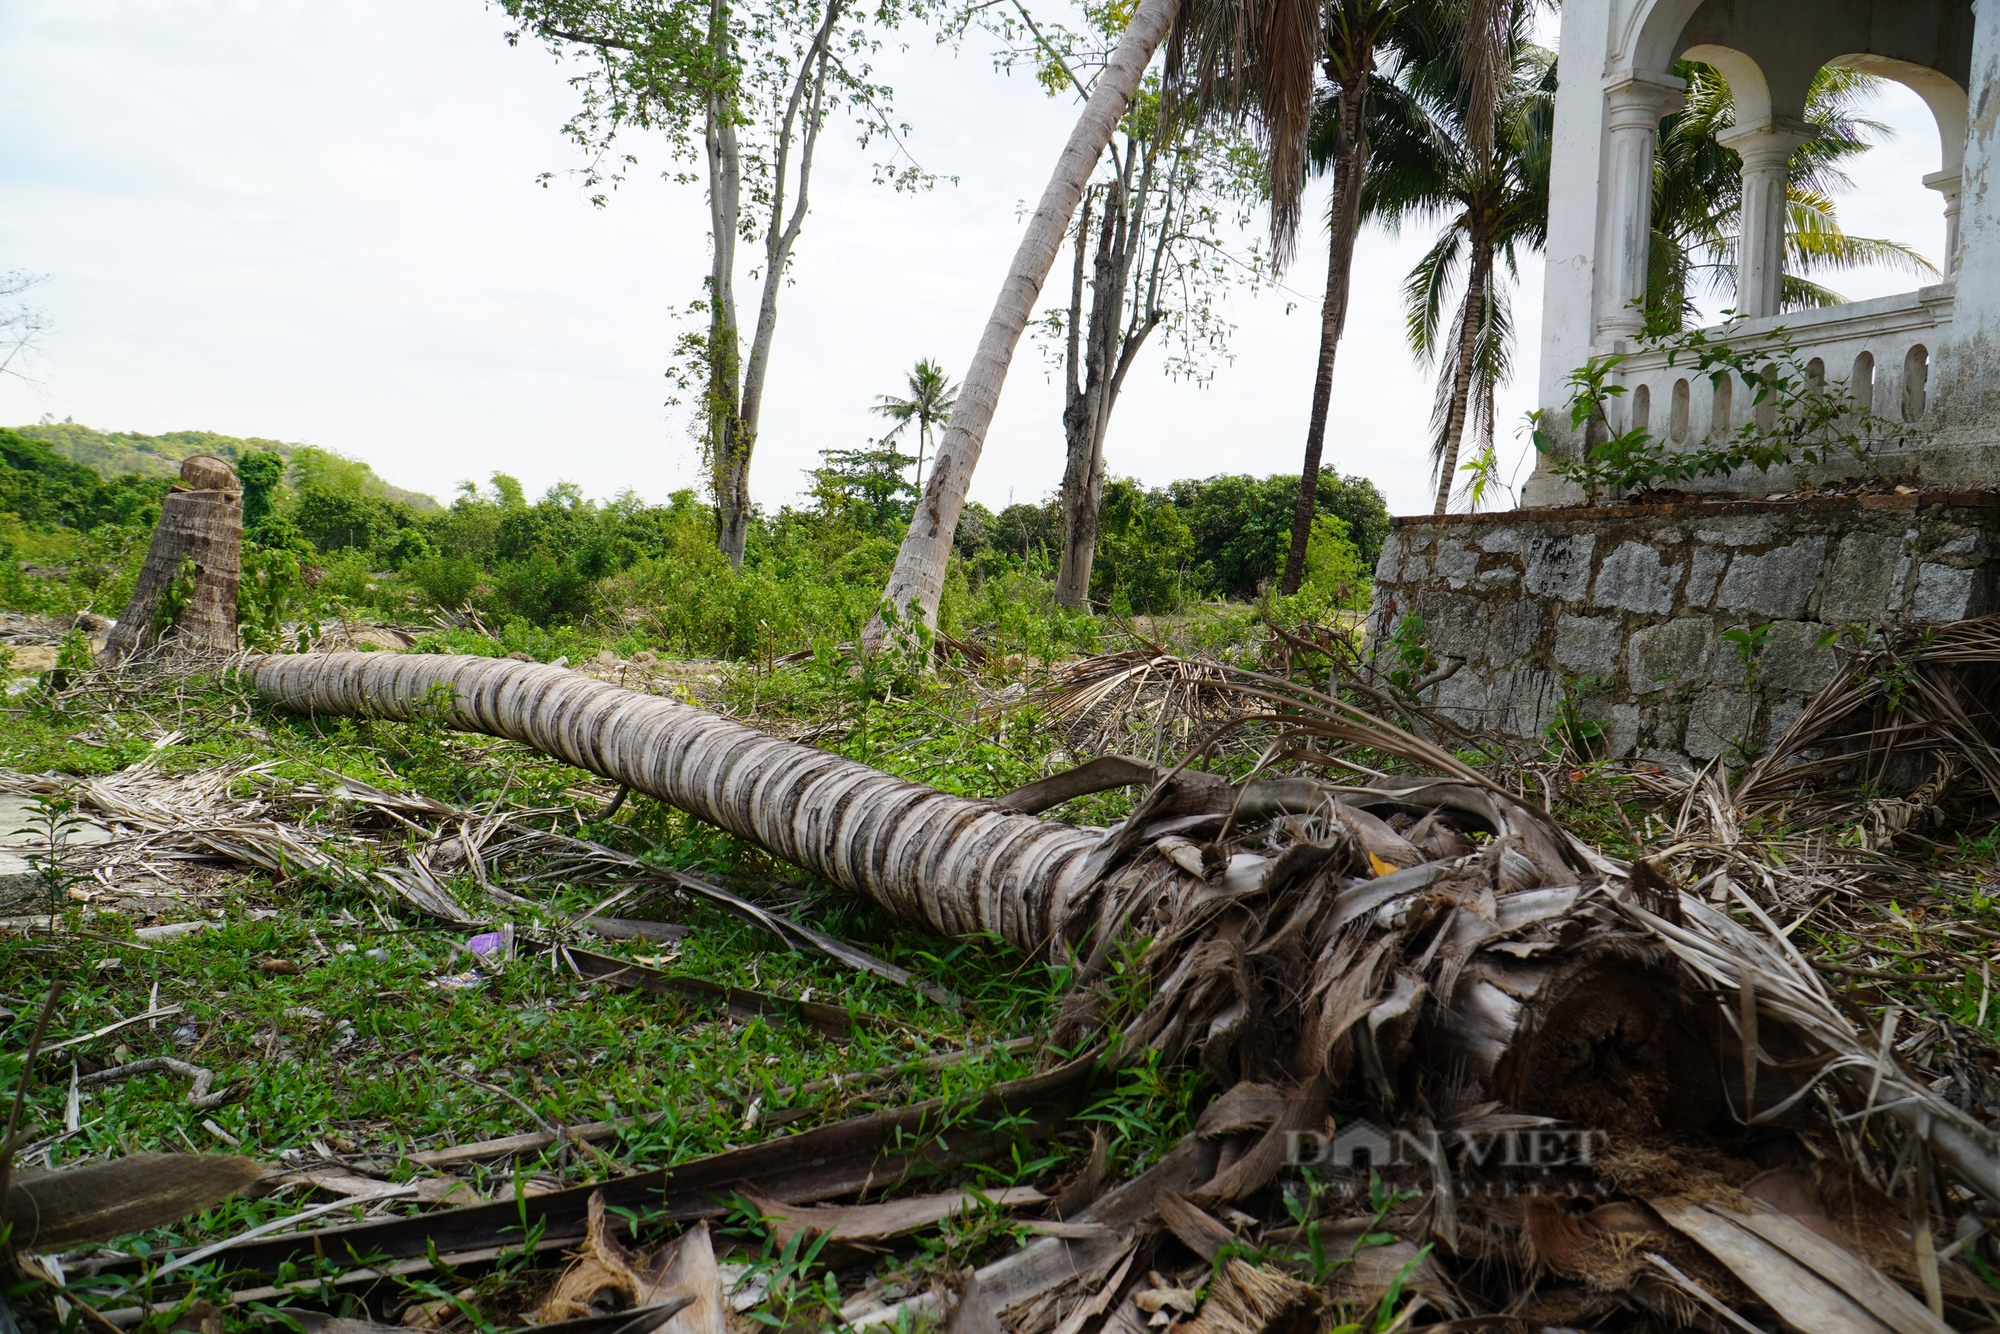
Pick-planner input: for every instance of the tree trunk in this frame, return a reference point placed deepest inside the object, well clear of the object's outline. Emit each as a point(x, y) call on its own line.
point(780, 235)
point(1084, 415)
point(1344, 225)
point(727, 444)
point(186, 594)
point(1453, 431)
point(918, 578)
point(960, 866)
point(1351, 988)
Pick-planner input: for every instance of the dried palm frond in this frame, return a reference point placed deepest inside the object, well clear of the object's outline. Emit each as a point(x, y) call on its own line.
point(1171, 701)
point(1260, 59)
point(1157, 703)
point(51, 1210)
point(1910, 725)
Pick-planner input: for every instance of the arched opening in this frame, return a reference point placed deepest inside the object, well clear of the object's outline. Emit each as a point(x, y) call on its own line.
point(1720, 405)
point(1907, 184)
point(1677, 412)
point(1815, 376)
point(1861, 384)
point(1767, 399)
point(1916, 382)
point(1788, 71)
point(1642, 408)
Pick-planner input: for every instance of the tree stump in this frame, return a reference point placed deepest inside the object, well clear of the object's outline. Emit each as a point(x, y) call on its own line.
point(186, 594)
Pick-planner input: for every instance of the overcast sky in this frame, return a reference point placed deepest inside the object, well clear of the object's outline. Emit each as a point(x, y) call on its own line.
point(319, 221)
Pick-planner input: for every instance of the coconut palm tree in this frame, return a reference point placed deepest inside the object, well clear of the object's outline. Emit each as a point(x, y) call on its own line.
point(1493, 200)
point(1698, 196)
point(932, 397)
point(1353, 36)
point(1234, 57)
point(1354, 29)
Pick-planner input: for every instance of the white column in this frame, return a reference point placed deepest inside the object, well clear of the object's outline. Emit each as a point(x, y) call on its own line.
point(1947, 183)
point(1975, 318)
point(1766, 150)
point(1633, 108)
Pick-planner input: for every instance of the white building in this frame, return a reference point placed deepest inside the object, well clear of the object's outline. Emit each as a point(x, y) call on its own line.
point(1930, 357)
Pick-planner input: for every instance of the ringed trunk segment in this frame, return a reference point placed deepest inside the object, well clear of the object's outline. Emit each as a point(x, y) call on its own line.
point(959, 865)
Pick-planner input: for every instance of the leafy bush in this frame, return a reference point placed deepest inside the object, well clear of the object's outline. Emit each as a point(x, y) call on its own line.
point(1143, 549)
point(1242, 525)
point(446, 581)
point(1336, 578)
point(279, 586)
point(338, 521)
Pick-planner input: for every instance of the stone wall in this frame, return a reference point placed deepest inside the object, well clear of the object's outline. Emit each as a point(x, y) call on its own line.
point(1624, 610)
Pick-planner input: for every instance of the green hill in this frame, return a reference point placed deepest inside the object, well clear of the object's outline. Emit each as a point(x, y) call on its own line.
point(127, 453)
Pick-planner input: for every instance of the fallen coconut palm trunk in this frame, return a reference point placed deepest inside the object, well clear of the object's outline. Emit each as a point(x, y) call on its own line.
point(956, 865)
point(1433, 955)
point(1276, 954)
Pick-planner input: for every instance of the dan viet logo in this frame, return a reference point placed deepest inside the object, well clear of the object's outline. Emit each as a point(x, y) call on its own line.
point(1477, 1160)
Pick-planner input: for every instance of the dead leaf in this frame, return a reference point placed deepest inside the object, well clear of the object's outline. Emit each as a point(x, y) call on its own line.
point(55, 1210)
point(1248, 1300)
point(1801, 1296)
point(859, 1224)
point(686, 1266)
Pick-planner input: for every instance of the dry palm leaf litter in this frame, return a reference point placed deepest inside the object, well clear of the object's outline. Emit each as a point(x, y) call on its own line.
point(1463, 1070)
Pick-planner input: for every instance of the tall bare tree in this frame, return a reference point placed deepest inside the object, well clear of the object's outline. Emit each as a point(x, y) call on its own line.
point(755, 82)
point(1156, 260)
point(1237, 57)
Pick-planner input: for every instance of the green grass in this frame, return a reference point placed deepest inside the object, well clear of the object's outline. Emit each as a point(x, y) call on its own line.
point(363, 1054)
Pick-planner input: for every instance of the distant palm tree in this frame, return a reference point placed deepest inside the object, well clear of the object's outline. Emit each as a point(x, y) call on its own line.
point(932, 397)
point(1698, 198)
point(1427, 164)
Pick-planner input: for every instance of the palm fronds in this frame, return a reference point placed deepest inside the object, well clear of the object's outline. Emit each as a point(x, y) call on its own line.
point(1910, 724)
point(1697, 197)
point(1257, 59)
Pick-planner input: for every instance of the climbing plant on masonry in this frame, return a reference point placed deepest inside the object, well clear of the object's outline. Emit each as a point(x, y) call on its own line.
point(1796, 417)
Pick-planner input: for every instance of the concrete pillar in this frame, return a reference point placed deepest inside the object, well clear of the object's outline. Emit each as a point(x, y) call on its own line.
point(1633, 108)
point(1976, 311)
point(1766, 150)
point(1947, 183)
point(1572, 273)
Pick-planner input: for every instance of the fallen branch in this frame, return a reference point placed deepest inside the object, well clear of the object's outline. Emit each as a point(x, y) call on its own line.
point(198, 1096)
point(164, 1012)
